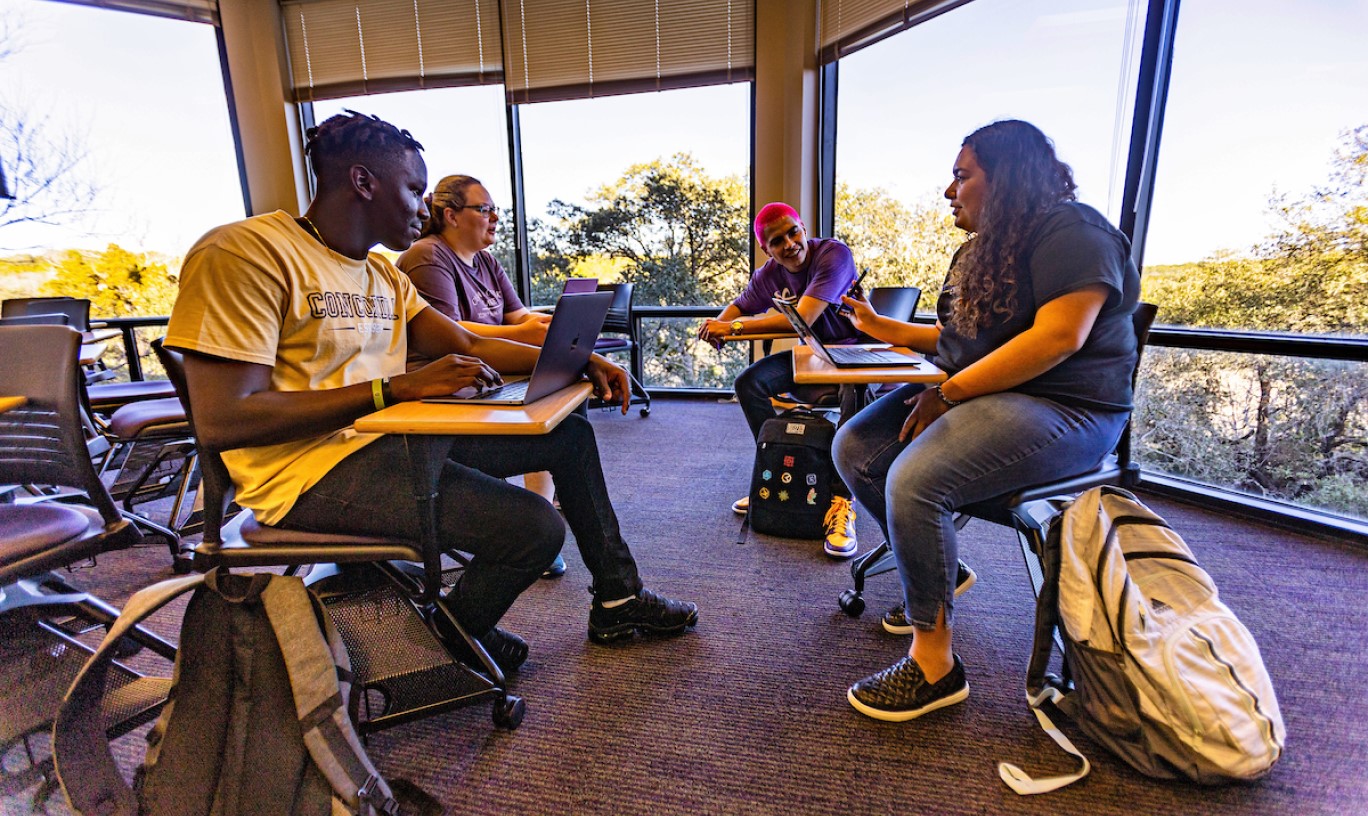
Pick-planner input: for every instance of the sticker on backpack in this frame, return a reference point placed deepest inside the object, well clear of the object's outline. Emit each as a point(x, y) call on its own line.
point(796, 428)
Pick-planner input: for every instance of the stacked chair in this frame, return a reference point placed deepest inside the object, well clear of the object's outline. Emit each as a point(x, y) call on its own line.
point(42, 616)
point(377, 590)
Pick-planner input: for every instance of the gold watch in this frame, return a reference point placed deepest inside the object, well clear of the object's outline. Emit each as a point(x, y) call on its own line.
point(737, 327)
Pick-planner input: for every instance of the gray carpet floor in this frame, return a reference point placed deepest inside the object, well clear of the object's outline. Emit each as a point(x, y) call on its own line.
point(747, 714)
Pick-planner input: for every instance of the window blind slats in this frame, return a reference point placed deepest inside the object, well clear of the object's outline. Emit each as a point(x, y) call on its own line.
point(540, 49)
point(350, 47)
point(567, 49)
point(849, 25)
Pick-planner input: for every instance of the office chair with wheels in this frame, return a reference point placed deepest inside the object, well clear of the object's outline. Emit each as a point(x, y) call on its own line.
point(619, 335)
point(1029, 510)
point(402, 670)
point(42, 616)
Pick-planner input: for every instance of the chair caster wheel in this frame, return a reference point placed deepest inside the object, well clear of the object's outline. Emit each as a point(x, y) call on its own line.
point(508, 712)
point(182, 565)
point(852, 604)
point(645, 412)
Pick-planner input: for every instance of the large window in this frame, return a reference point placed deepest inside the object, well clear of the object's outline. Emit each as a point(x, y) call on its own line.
point(120, 154)
point(462, 130)
point(650, 189)
point(906, 104)
point(1258, 223)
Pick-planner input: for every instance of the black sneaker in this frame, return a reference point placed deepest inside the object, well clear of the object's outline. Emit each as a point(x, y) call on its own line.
point(895, 620)
point(507, 649)
point(900, 692)
point(648, 613)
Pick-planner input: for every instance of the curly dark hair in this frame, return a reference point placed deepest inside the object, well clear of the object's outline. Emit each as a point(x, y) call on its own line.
point(355, 138)
point(449, 192)
point(1025, 181)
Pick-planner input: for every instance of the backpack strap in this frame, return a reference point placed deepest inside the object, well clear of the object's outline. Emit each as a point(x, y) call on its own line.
point(319, 671)
point(1041, 689)
point(80, 747)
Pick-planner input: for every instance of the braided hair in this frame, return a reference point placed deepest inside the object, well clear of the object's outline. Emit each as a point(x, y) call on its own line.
point(1025, 181)
point(355, 138)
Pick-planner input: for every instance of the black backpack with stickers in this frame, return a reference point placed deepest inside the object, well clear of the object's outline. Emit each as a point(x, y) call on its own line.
point(791, 483)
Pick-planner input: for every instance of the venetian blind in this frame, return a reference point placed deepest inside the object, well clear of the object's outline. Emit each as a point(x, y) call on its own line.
point(343, 48)
point(570, 49)
point(849, 25)
point(199, 11)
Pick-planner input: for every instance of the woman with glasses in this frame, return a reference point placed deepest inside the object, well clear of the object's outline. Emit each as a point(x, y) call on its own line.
point(452, 267)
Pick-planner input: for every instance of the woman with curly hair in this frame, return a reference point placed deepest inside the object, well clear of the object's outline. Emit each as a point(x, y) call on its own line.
point(1034, 330)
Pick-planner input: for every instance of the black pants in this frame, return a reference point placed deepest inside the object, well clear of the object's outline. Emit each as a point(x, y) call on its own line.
point(512, 534)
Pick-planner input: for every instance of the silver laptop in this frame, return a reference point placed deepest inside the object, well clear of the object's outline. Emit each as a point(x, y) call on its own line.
point(841, 356)
point(569, 342)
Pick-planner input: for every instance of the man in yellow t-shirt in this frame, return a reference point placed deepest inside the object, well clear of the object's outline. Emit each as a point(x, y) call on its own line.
point(293, 329)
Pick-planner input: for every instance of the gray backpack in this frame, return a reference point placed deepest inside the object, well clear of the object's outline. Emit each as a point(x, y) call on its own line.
point(255, 723)
point(1158, 670)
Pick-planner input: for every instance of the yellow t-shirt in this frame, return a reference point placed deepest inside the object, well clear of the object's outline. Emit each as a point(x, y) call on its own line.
point(264, 291)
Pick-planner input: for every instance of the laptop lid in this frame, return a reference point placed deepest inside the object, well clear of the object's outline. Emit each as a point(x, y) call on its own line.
point(575, 325)
point(578, 286)
point(795, 318)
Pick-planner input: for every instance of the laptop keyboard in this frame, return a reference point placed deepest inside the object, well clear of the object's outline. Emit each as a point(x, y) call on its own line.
point(845, 354)
point(511, 391)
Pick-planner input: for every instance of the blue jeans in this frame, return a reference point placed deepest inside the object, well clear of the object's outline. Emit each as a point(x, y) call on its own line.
point(769, 377)
point(512, 534)
point(984, 448)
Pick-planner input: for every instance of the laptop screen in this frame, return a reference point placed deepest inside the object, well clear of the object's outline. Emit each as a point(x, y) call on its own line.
point(576, 286)
point(805, 333)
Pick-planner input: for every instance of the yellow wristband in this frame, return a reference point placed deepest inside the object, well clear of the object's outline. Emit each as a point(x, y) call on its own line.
point(378, 393)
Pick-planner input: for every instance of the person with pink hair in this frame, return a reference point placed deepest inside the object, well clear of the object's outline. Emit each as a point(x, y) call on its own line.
point(814, 272)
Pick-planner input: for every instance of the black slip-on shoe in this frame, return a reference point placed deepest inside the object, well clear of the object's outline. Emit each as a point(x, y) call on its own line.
point(900, 692)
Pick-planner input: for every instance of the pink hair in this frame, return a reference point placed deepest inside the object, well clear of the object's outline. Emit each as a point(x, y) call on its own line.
point(769, 214)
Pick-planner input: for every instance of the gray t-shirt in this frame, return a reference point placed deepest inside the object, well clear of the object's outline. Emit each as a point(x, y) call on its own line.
point(1072, 248)
point(480, 293)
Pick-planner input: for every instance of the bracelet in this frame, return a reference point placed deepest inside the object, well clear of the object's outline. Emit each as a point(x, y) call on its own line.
point(943, 398)
point(378, 392)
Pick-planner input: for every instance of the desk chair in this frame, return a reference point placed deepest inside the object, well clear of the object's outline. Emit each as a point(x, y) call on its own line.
point(1029, 510)
point(41, 615)
point(402, 671)
point(619, 335)
point(103, 396)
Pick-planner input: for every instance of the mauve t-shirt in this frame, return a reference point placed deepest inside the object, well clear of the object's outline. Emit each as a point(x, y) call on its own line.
point(481, 293)
point(829, 273)
point(1073, 247)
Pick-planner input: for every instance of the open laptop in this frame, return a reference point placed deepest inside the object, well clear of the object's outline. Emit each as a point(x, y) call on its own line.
point(578, 286)
point(569, 342)
point(841, 356)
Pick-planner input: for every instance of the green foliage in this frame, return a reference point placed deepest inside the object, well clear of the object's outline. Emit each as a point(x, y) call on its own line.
point(118, 283)
point(901, 245)
point(1289, 429)
point(678, 235)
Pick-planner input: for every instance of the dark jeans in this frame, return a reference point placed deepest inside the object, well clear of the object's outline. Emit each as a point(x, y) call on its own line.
point(512, 534)
point(769, 377)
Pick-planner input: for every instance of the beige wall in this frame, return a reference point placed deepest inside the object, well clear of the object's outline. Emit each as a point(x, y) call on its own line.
point(786, 84)
point(267, 124)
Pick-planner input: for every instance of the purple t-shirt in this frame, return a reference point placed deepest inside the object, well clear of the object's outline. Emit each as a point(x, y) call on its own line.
point(829, 273)
point(481, 293)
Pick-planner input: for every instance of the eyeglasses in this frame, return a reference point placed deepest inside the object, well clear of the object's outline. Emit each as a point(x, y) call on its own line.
point(482, 209)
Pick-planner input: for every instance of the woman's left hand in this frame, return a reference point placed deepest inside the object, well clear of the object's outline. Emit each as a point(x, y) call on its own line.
point(927, 407)
point(610, 381)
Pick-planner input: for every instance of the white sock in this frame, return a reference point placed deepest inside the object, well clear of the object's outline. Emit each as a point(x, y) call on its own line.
point(618, 602)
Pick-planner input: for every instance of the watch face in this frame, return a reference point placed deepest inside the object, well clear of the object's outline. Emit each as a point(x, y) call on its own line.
point(737, 326)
